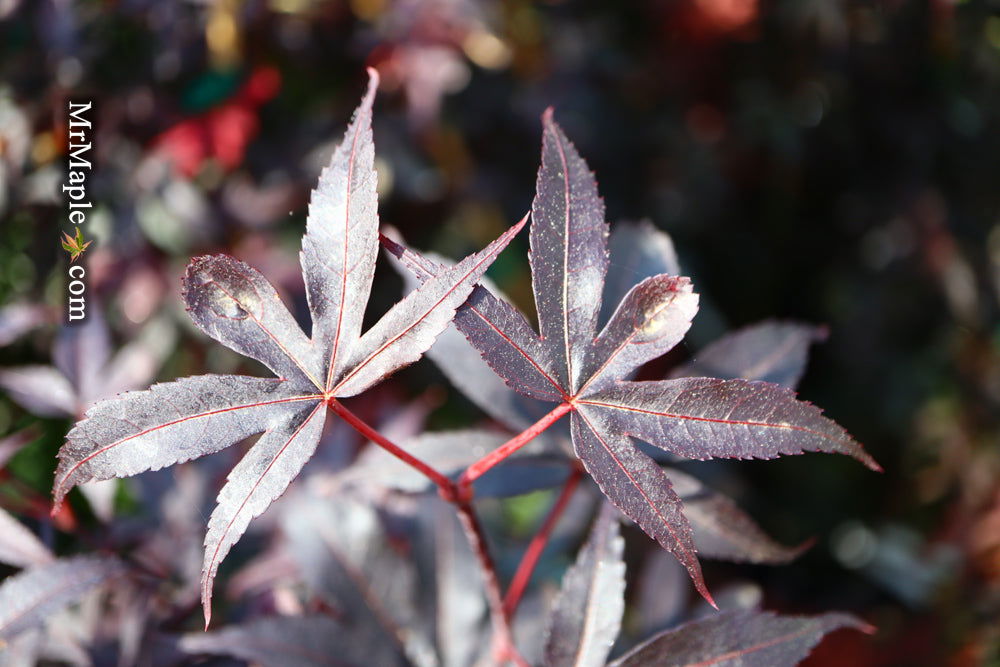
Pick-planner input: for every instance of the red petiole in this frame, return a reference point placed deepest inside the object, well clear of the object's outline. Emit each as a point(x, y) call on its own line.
point(460, 494)
point(537, 545)
point(364, 429)
point(480, 467)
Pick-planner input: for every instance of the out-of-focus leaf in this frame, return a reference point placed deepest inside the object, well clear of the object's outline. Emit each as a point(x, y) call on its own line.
point(587, 614)
point(19, 546)
point(42, 390)
point(450, 453)
point(461, 599)
point(722, 530)
point(28, 599)
point(770, 351)
point(236, 305)
point(744, 638)
point(82, 350)
point(23, 650)
point(83, 374)
point(345, 558)
point(282, 641)
point(137, 363)
point(13, 443)
point(661, 593)
point(100, 496)
point(637, 250)
point(17, 319)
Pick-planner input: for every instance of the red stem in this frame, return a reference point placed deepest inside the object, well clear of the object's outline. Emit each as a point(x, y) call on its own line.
point(444, 484)
point(461, 496)
point(537, 545)
point(503, 638)
point(480, 467)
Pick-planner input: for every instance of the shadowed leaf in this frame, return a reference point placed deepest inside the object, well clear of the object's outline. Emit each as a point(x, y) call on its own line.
point(42, 390)
point(345, 557)
point(770, 351)
point(722, 530)
point(19, 546)
point(587, 614)
point(282, 641)
point(29, 598)
point(451, 452)
point(637, 251)
point(745, 638)
point(461, 600)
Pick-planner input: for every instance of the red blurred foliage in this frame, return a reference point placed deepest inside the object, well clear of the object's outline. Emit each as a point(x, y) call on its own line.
point(221, 133)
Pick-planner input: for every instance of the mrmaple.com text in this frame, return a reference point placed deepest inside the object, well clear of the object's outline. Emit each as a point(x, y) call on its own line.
point(75, 190)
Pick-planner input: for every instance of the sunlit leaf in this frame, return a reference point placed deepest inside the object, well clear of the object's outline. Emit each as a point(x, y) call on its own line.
point(235, 304)
point(574, 363)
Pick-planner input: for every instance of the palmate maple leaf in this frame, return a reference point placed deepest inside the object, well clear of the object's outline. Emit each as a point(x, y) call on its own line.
point(74, 245)
point(233, 303)
point(587, 613)
point(587, 372)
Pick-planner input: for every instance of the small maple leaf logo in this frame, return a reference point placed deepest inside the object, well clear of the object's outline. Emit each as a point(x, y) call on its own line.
point(74, 245)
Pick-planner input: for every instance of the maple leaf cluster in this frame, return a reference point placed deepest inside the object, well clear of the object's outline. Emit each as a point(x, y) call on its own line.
point(594, 333)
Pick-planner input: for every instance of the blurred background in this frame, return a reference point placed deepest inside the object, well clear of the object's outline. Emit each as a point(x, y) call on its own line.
point(828, 161)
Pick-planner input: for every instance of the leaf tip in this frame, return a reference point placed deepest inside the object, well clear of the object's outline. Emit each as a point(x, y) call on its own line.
point(206, 606)
point(802, 548)
point(867, 628)
point(699, 584)
point(547, 116)
point(373, 82)
point(521, 223)
point(59, 492)
point(868, 461)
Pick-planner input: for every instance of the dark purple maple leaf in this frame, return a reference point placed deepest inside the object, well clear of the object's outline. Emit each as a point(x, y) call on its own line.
point(236, 305)
point(748, 638)
point(587, 613)
point(586, 371)
point(31, 597)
